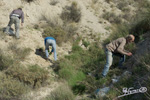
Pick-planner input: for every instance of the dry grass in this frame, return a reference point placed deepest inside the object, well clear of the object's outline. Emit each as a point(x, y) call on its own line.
point(63, 92)
point(11, 89)
point(112, 17)
point(33, 75)
point(71, 13)
point(53, 2)
point(19, 53)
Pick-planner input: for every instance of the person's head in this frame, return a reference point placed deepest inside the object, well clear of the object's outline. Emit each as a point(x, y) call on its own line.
point(130, 38)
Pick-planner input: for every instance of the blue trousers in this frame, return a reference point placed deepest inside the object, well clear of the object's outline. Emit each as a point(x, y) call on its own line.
point(50, 42)
point(109, 60)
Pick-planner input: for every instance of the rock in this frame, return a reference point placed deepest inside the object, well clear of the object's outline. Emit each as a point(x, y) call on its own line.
point(126, 73)
point(114, 80)
point(102, 92)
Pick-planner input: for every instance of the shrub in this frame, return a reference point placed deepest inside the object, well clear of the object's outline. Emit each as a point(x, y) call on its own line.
point(5, 61)
point(71, 13)
point(62, 92)
point(54, 2)
point(33, 75)
point(11, 89)
point(94, 1)
point(71, 75)
point(75, 66)
point(86, 43)
point(61, 34)
point(36, 26)
point(19, 53)
point(141, 24)
point(118, 31)
point(108, 1)
point(2, 32)
point(143, 65)
point(57, 32)
point(71, 29)
point(29, 1)
point(121, 5)
point(112, 17)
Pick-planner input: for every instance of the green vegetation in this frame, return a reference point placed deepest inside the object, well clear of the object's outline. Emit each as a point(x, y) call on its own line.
point(118, 31)
point(19, 54)
point(85, 43)
point(5, 61)
point(11, 88)
point(71, 13)
point(33, 75)
point(92, 61)
point(54, 2)
point(112, 17)
point(74, 67)
point(80, 66)
point(62, 92)
point(63, 32)
point(141, 24)
point(57, 32)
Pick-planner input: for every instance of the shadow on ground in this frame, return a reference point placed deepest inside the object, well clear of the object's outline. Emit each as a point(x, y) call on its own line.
point(40, 52)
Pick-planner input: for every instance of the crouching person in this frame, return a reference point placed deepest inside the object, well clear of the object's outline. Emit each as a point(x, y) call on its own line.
point(15, 17)
point(50, 41)
point(117, 47)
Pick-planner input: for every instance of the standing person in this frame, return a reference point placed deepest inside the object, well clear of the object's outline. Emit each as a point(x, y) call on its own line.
point(15, 17)
point(117, 47)
point(50, 41)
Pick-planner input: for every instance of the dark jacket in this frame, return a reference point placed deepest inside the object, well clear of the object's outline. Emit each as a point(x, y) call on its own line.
point(19, 13)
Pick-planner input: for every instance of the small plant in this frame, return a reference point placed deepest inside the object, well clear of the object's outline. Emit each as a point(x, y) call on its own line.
point(29, 1)
point(108, 15)
point(11, 89)
point(53, 2)
point(33, 75)
point(72, 13)
point(118, 31)
point(36, 26)
point(57, 32)
point(94, 1)
point(141, 24)
point(86, 43)
point(19, 53)
point(122, 5)
point(108, 1)
point(112, 17)
point(62, 92)
point(5, 61)
point(71, 75)
point(71, 29)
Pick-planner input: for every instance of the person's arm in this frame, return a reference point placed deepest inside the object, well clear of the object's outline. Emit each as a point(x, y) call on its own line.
point(22, 18)
point(52, 49)
point(120, 49)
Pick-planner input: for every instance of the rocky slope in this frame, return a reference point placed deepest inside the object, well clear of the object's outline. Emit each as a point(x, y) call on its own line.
point(91, 24)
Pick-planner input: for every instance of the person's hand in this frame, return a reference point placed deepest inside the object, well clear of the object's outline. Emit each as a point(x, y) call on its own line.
point(129, 54)
point(50, 53)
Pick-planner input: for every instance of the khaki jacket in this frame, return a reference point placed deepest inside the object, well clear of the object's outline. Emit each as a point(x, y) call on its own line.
point(117, 46)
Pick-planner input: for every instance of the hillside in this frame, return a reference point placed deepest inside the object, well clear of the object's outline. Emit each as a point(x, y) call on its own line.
point(27, 75)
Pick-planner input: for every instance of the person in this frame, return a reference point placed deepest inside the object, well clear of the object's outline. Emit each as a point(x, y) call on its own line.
point(50, 41)
point(116, 47)
point(15, 17)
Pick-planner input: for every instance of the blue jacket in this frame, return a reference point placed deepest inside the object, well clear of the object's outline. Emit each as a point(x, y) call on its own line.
point(47, 39)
